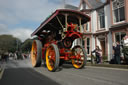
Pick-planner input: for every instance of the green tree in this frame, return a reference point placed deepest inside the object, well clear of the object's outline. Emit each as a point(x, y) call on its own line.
point(26, 45)
point(8, 43)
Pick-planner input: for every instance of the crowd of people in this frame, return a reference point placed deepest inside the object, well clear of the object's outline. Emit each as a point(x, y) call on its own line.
point(5, 56)
point(116, 59)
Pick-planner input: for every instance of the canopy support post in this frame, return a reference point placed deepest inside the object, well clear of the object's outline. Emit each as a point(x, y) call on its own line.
point(59, 22)
point(66, 16)
point(80, 25)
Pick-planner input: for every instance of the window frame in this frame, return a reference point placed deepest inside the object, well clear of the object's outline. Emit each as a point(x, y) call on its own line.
point(88, 46)
point(120, 35)
point(87, 28)
point(118, 5)
point(101, 18)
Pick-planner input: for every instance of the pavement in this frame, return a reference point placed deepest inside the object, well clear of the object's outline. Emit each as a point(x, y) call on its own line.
point(109, 65)
point(89, 75)
point(20, 72)
point(2, 66)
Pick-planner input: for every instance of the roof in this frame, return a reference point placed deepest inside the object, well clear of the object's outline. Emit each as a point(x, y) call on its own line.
point(52, 23)
point(68, 6)
point(95, 3)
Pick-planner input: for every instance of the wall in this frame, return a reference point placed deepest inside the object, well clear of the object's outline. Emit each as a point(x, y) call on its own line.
point(126, 10)
point(107, 17)
point(110, 49)
point(94, 21)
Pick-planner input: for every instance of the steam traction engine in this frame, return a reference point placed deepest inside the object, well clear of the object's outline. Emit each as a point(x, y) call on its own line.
point(55, 40)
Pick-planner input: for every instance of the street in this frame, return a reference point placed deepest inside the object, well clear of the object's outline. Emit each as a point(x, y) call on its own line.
point(20, 72)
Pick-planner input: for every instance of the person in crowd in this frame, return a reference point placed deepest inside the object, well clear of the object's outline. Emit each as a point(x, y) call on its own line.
point(15, 56)
point(6, 57)
point(97, 52)
point(117, 53)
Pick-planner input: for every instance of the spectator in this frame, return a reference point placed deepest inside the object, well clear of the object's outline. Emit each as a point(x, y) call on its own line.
point(15, 56)
point(97, 53)
point(117, 53)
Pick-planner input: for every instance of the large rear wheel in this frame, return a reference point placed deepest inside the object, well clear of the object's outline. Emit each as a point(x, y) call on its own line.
point(36, 53)
point(52, 57)
point(80, 57)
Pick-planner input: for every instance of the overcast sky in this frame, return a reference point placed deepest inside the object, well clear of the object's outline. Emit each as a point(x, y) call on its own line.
point(21, 17)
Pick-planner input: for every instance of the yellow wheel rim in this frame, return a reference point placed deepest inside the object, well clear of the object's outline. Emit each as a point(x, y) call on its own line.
point(50, 58)
point(79, 60)
point(34, 53)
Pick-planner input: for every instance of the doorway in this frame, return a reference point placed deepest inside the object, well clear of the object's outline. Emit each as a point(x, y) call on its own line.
point(102, 43)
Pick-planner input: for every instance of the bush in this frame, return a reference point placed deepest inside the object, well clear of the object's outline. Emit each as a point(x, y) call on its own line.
point(125, 51)
point(104, 58)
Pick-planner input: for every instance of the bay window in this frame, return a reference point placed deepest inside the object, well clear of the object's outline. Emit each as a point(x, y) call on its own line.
point(101, 18)
point(118, 8)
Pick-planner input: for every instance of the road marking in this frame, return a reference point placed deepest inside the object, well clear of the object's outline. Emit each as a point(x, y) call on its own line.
point(1, 74)
point(108, 68)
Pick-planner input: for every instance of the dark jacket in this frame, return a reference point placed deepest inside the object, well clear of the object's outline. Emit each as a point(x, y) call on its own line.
point(96, 52)
point(116, 50)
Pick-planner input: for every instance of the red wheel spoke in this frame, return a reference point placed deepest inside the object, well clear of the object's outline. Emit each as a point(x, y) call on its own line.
point(79, 60)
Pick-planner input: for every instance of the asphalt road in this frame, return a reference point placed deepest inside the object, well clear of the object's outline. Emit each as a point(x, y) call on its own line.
point(21, 73)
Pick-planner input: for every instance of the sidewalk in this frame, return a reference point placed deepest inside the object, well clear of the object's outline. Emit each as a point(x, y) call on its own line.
point(2, 66)
point(108, 65)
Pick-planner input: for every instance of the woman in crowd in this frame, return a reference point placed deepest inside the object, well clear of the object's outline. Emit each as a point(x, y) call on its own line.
point(97, 52)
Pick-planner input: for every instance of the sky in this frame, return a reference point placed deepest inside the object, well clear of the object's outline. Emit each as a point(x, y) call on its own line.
point(21, 17)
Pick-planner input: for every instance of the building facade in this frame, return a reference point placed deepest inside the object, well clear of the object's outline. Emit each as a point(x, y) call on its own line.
point(109, 23)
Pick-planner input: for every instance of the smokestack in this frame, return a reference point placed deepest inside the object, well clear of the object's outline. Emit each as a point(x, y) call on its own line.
point(64, 3)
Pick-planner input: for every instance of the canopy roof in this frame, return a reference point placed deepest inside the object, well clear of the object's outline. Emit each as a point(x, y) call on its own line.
point(52, 23)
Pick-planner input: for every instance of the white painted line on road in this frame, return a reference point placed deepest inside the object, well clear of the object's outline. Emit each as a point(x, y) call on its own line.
point(1, 74)
point(108, 68)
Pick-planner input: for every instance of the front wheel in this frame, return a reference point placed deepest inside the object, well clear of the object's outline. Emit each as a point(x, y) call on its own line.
point(36, 53)
point(79, 54)
point(52, 57)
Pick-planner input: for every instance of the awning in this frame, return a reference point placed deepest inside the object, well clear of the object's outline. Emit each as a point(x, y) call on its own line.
point(52, 23)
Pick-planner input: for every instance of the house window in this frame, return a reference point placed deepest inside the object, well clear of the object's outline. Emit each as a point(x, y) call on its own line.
point(101, 18)
point(119, 37)
point(88, 45)
point(83, 43)
point(87, 26)
point(118, 10)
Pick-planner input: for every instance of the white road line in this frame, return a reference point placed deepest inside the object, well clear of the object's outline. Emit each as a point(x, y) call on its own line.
point(107, 68)
point(1, 74)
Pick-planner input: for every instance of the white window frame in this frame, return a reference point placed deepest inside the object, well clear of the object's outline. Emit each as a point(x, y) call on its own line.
point(88, 46)
point(118, 7)
point(101, 14)
point(119, 34)
point(87, 26)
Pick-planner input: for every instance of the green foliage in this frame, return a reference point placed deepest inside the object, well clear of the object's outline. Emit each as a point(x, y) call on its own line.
point(8, 43)
point(125, 51)
point(26, 45)
point(104, 57)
